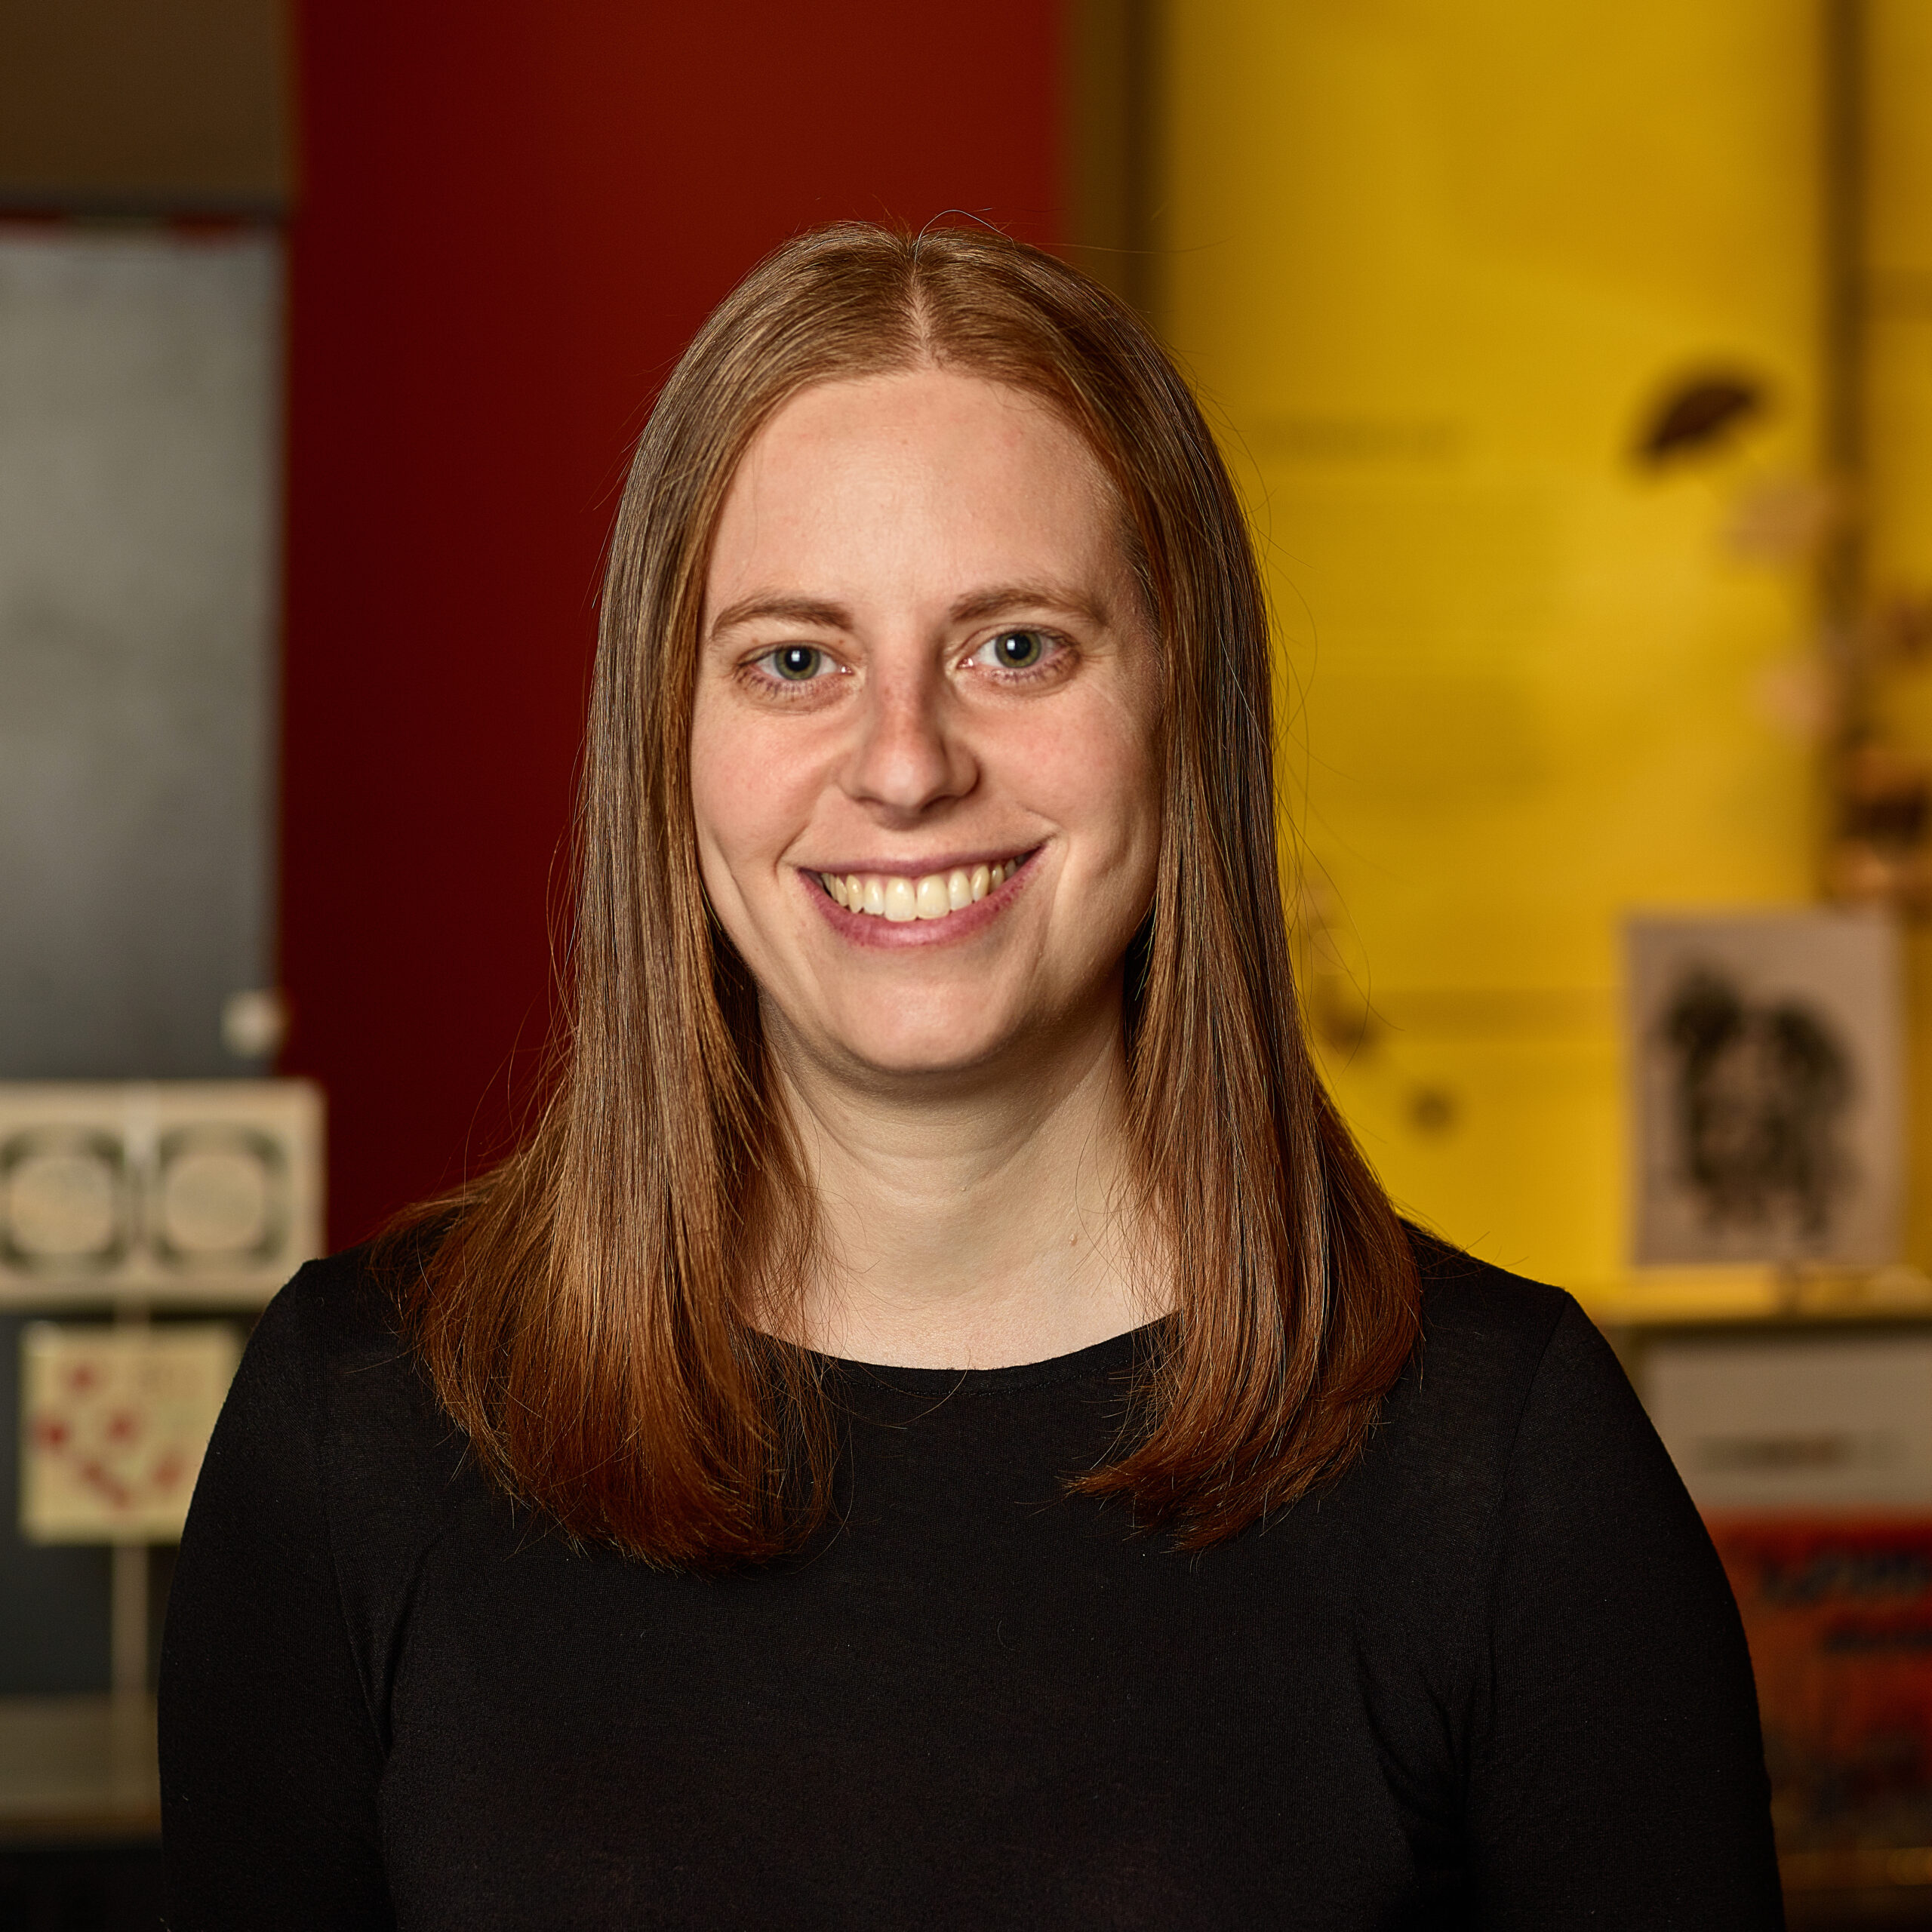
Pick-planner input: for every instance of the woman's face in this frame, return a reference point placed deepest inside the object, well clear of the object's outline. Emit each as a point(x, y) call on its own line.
point(923, 761)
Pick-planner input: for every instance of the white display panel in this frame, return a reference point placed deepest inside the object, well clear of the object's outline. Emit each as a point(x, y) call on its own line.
point(1797, 1424)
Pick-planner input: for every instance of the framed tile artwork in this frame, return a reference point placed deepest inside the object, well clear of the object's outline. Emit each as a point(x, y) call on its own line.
point(114, 1420)
point(194, 1191)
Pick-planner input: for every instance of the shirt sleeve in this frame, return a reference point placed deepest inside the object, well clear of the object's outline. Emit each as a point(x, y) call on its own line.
point(269, 1755)
point(1617, 1772)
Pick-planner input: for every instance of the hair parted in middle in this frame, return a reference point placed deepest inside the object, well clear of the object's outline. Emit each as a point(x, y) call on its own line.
point(597, 1313)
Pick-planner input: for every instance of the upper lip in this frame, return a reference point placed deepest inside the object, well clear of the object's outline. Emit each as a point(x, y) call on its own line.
point(921, 868)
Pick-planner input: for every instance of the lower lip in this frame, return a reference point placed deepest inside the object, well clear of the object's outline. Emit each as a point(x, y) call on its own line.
point(874, 929)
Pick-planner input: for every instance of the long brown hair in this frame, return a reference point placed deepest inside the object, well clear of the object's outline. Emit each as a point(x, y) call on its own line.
point(583, 1308)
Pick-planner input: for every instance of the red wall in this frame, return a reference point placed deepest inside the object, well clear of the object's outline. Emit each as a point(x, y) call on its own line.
point(513, 217)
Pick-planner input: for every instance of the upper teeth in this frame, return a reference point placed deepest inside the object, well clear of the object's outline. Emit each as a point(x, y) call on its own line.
point(892, 896)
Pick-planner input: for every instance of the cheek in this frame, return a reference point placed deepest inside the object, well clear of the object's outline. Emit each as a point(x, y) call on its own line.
point(715, 800)
point(1098, 777)
point(739, 814)
point(739, 795)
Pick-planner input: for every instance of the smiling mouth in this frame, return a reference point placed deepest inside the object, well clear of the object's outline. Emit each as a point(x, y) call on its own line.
point(892, 897)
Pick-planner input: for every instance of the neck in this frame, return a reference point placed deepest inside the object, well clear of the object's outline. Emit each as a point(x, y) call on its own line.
point(976, 1227)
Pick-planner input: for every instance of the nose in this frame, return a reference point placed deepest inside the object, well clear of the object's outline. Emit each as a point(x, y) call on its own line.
point(908, 755)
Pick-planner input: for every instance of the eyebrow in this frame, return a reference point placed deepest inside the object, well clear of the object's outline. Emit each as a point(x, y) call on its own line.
point(791, 610)
point(975, 606)
point(1027, 596)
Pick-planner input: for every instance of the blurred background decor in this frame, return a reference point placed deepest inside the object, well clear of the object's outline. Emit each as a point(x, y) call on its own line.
point(1766, 1054)
point(1577, 364)
point(1809, 1449)
point(132, 1190)
point(139, 505)
point(155, 1218)
point(115, 1421)
point(145, 156)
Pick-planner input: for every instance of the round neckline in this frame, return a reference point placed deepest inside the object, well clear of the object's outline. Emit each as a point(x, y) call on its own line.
point(1104, 1358)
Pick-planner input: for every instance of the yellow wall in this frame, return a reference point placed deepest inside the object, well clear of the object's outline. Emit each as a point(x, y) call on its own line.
point(1430, 262)
point(1898, 439)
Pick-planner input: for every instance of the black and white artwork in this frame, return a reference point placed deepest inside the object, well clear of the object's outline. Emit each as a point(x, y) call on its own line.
point(1766, 1053)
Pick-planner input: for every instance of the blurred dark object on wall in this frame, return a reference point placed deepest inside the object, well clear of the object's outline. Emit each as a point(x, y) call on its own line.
point(1698, 411)
point(1884, 803)
point(127, 105)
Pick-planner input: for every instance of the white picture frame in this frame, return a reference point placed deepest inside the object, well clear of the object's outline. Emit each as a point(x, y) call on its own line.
point(1766, 1053)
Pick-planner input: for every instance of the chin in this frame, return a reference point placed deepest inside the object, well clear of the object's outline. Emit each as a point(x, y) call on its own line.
point(907, 1045)
point(901, 1056)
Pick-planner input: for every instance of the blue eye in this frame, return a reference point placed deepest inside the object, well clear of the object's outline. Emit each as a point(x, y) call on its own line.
point(1017, 650)
point(796, 663)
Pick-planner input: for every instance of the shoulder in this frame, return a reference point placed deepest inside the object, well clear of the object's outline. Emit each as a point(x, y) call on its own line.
point(332, 1458)
point(1468, 1305)
point(328, 1362)
point(337, 1314)
point(1509, 1381)
point(326, 1480)
point(1498, 1340)
point(1513, 1466)
point(334, 1335)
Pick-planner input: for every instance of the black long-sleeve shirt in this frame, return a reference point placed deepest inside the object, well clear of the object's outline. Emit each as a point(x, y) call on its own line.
point(1491, 1676)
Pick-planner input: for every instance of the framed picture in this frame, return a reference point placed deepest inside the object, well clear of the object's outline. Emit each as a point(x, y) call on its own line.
point(193, 1192)
point(1766, 1057)
point(114, 1424)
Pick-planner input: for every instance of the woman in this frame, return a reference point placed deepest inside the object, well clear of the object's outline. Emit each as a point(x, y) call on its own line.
point(938, 1426)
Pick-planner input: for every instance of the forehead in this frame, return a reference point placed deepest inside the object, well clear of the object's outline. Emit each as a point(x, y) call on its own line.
point(930, 467)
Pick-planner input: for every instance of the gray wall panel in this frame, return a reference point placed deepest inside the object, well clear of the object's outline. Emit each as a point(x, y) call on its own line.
point(139, 493)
